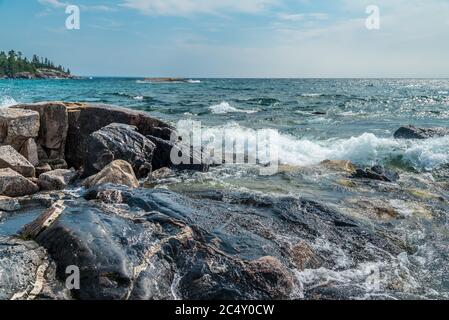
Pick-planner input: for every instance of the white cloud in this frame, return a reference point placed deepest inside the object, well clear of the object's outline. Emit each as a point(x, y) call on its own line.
point(303, 16)
point(53, 3)
point(59, 4)
point(188, 7)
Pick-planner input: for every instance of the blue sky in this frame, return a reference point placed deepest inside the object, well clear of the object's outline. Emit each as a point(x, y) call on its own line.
point(234, 38)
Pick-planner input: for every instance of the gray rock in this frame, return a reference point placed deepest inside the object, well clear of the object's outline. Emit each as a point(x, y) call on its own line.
point(118, 142)
point(20, 263)
point(57, 179)
point(377, 173)
point(9, 204)
point(10, 158)
point(17, 126)
point(42, 168)
point(13, 184)
point(411, 132)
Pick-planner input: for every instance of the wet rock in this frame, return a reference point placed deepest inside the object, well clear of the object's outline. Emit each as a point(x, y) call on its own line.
point(117, 172)
point(411, 132)
point(304, 257)
point(339, 165)
point(118, 142)
point(29, 151)
point(57, 179)
point(9, 204)
point(178, 156)
point(377, 173)
point(13, 184)
point(17, 126)
point(42, 168)
point(84, 119)
point(162, 173)
point(20, 263)
point(10, 158)
point(53, 125)
point(106, 247)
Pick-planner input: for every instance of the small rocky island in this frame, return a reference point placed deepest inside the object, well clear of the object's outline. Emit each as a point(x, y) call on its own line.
point(83, 175)
point(15, 66)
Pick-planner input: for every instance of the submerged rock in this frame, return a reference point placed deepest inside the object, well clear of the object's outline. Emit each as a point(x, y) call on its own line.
point(17, 126)
point(161, 173)
point(117, 172)
point(57, 179)
point(13, 184)
point(118, 142)
point(411, 132)
point(10, 158)
point(339, 165)
point(377, 173)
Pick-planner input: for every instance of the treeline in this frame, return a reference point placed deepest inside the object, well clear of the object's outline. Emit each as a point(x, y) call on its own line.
point(12, 63)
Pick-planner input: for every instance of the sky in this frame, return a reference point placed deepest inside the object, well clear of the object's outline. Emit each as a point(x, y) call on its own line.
point(234, 38)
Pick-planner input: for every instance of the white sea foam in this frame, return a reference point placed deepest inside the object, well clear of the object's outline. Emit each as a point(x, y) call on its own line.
point(7, 101)
point(193, 81)
point(366, 149)
point(225, 107)
point(311, 95)
point(138, 98)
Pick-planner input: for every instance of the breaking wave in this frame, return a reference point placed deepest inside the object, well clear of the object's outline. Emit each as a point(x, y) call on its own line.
point(366, 149)
point(7, 101)
point(225, 107)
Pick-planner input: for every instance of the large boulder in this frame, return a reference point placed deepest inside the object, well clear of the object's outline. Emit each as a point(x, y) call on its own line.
point(53, 126)
point(84, 119)
point(118, 142)
point(17, 126)
point(117, 172)
point(10, 158)
point(412, 132)
point(13, 184)
point(57, 179)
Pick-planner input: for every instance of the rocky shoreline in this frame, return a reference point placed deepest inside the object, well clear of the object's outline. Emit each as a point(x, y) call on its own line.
point(82, 171)
point(42, 73)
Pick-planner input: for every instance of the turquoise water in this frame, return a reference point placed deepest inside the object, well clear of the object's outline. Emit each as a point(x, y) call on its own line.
point(311, 120)
point(316, 119)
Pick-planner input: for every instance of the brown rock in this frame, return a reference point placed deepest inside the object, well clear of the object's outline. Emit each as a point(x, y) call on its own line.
point(303, 256)
point(29, 151)
point(339, 165)
point(53, 125)
point(10, 158)
point(17, 126)
point(270, 274)
point(117, 172)
point(13, 184)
